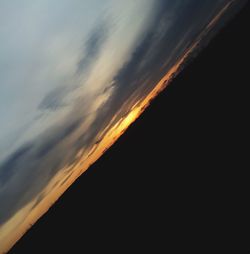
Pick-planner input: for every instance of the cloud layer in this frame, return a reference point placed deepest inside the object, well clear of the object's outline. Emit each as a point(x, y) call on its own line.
point(70, 71)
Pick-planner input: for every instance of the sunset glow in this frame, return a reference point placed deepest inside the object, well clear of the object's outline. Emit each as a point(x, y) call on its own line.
point(74, 76)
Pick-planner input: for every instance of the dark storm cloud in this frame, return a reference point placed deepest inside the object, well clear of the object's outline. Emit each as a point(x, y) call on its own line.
point(93, 46)
point(56, 138)
point(174, 27)
point(54, 99)
point(8, 168)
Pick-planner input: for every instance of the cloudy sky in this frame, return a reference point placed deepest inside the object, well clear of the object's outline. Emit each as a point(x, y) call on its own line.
point(71, 71)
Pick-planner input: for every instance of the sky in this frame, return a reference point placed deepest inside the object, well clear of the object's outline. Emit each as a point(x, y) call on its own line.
point(73, 76)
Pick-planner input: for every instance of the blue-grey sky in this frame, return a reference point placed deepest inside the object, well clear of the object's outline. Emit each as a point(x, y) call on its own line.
point(70, 70)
